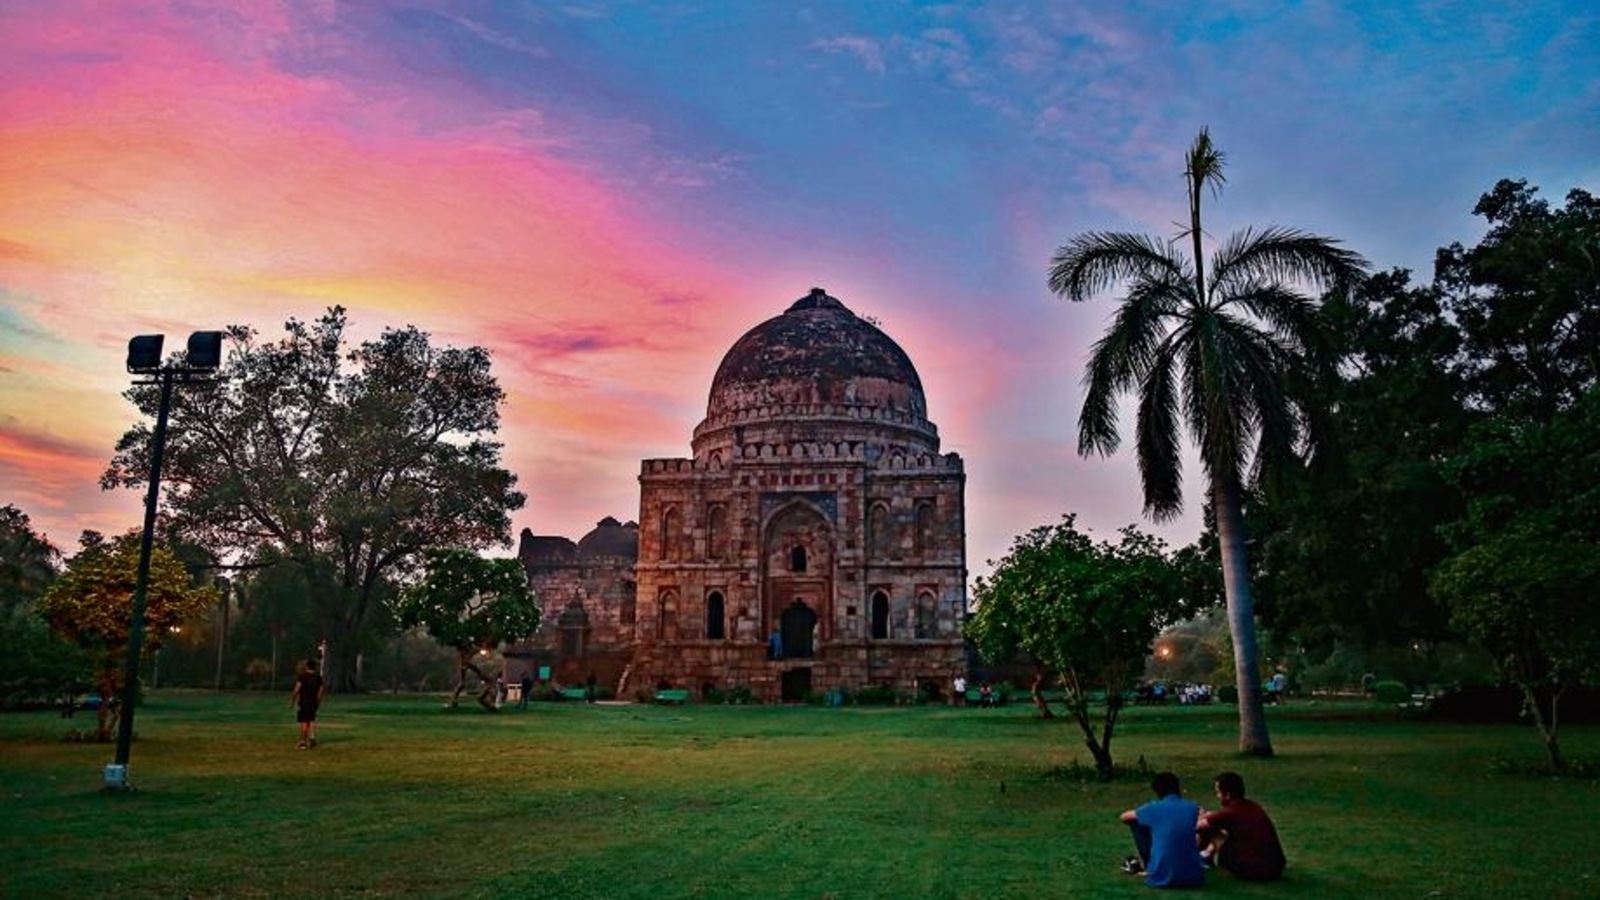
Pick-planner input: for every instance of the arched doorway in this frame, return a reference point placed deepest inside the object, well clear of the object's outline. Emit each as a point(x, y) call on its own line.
point(798, 561)
point(799, 626)
point(880, 616)
point(716, 628)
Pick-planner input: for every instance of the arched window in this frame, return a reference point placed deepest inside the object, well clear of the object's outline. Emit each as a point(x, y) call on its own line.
point(927, 616)
point(880, 615)
point(669, 532)
point(923, 537)
point(717, 533)
point(797, 559)
point(629, 612)
point(669, 616)
point(878, 530)
point(715, 629)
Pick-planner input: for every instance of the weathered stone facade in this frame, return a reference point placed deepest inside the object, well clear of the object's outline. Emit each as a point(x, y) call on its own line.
point(815, 540)
point(586, 593)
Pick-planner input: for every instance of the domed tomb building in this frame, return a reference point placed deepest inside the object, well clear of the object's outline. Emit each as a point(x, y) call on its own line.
point(816, 539)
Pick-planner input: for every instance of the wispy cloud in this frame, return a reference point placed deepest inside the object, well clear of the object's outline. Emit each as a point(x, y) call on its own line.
point(866, 50)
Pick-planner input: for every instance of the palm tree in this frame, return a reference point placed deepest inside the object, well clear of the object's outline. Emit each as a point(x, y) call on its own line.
point(1220, 359)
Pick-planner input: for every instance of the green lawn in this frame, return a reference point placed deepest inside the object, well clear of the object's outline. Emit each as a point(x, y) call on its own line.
point(571, 800)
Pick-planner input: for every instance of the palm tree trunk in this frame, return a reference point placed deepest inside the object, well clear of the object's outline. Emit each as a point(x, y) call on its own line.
point(1227, 502)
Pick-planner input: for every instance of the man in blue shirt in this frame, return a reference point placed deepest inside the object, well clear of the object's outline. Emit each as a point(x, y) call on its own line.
point(1164, 834)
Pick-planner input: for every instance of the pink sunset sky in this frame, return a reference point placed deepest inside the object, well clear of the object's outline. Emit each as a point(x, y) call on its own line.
point(608, 195)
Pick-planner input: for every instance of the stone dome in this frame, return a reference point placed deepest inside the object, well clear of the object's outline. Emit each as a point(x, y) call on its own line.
point(816, 363)
point(610, 538)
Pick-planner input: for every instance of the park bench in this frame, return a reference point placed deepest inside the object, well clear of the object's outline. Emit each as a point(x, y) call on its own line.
point(575, 693)
point(672, 695)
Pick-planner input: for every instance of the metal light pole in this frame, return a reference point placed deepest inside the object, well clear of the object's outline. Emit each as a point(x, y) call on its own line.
point(144, 359)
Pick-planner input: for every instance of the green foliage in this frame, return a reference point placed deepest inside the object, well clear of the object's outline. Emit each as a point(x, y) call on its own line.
point(1087, 611)
point(1391, 693)
point(345, 462)
point(1377, 492)
point(1526, 570)
point(38, 665)
point(91, 606)
point(875, 695)
point(472, 604)
point(1528, 302)
point(28, 561)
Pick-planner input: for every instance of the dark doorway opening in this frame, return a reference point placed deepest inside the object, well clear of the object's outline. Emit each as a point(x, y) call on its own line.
point(796, 685)
point(799, 622)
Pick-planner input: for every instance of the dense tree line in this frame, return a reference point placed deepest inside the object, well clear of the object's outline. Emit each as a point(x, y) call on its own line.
point(1461, 495)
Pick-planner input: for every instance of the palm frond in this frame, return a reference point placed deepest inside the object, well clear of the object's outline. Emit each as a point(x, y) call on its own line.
point(1158, 436)
point(1293, 318)
point(1204, 165)
point(1121, 357)
point(1097, 421)
point(1098, 260)
point(1280, 254)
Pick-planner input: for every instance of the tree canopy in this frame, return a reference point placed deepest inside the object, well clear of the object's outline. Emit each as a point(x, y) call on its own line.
point(28, 561)
point(1086, 611)
point(91, 605)
point(471, 604)
point(349, 463)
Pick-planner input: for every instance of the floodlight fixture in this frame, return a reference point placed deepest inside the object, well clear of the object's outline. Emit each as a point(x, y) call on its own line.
point(144, 353)
point(205, 350)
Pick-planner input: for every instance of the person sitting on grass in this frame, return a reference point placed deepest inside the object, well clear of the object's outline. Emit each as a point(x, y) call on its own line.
point(1164, 834)
point(1240, 837)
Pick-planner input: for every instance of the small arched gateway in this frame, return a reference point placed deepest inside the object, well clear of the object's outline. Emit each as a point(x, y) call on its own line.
point(815, 538)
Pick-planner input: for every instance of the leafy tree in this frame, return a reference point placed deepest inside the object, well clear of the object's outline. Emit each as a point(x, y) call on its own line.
point(1528, 301)
point(1523, 580)
point(471, 604)
point(91, 605)
point(1087, 611)
point(1378, 495)
point(37, 666)
point(28, 562)
point(349, 471)
point(277, 618)
point(1226, 359)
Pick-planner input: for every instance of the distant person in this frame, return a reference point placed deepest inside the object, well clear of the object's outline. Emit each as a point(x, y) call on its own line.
point(958, 691)
point(985, 696)
point(306, 698)
point(589, 688)
point(1240, 837)
point(1164, 832)
point(527, 689)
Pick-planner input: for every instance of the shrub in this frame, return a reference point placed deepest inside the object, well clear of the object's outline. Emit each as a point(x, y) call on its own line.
point(1391, 693)
point(875, 695)
point(1227, 693)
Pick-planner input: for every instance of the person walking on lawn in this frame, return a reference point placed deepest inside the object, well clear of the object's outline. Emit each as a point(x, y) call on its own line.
point(309, 691)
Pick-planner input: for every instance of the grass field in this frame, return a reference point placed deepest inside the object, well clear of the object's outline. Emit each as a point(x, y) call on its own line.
point(619, 801)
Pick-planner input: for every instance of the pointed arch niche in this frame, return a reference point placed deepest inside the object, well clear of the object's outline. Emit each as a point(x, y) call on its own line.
point(798, 553)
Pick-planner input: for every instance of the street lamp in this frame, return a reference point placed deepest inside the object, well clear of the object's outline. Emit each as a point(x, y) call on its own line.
point(144, 361)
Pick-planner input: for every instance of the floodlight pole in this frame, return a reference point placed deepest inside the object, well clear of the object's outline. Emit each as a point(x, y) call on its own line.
point(130, 674)
point(144, 358)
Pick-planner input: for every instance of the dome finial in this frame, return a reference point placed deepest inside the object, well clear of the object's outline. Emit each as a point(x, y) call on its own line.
point(817, 299)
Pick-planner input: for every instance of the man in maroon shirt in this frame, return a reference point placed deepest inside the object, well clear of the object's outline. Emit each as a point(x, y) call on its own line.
point(1240, 837)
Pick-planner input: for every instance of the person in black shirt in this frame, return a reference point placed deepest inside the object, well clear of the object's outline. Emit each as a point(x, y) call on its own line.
point(306, 698)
